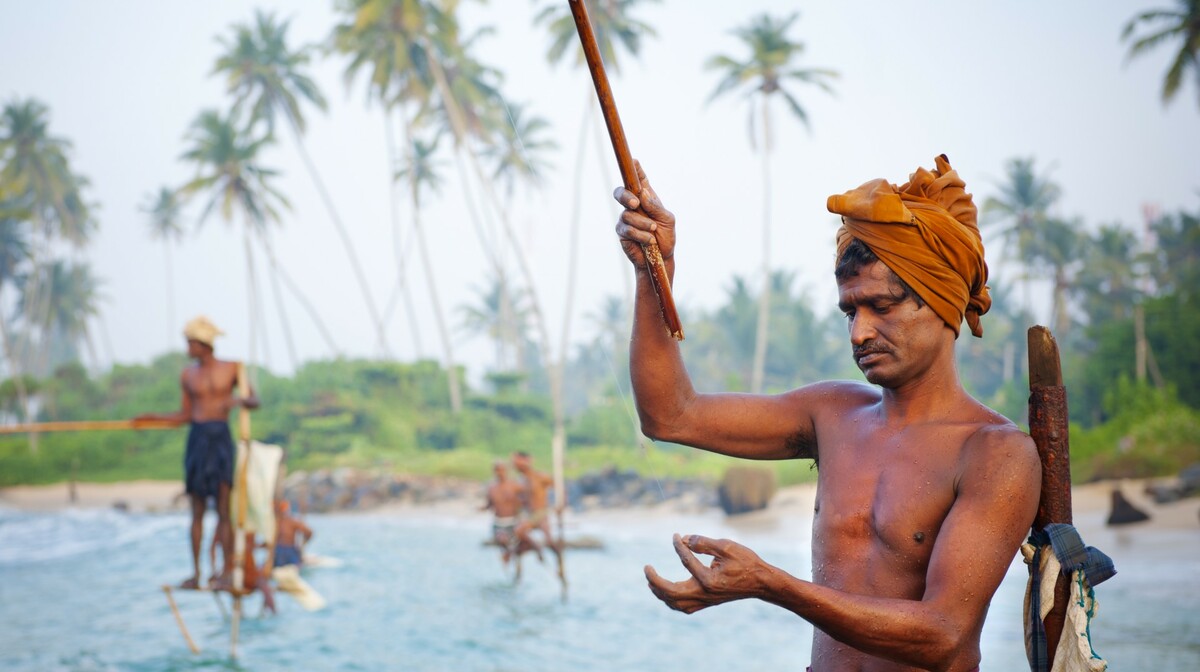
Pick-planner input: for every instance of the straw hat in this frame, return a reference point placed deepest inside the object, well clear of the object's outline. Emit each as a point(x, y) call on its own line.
point(202, 329)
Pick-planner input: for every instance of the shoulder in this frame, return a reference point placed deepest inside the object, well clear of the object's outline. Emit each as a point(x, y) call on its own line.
point(835, 394)
point(999, 452)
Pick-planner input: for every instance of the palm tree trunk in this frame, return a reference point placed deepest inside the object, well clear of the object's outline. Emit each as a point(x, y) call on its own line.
point(251, 301)
point(460, 134)
point(764, 299)
point(345, 236)
point(600, 137)
point(170, 297)
point(292, 287)
point(1139, 343)
point(443, 332)
point(283, 318)
point(394, 203)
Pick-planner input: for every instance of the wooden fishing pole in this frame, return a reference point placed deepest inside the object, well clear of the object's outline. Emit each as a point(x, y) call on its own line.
point(616, 133)
point(1048, 424)
point(86, 426)
point(239, 516)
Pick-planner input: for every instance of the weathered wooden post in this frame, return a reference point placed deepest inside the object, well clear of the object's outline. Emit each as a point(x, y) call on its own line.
point(1048, 427)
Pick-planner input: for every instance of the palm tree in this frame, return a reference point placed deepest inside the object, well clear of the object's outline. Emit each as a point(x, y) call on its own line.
point(1165, 24)
point(517, 158)
point(517, 151)
point(39, 186)
point(74, 302)
point(616, 30)
point(1057, 252)
point(166, 225)
point(1022, 206)
point(36, 168)
point(226, 155)
point(379, 38)
point(1109, 277)
point(14, 252)
point(263, 72)
point(499, 313)
point(765, 74)
point(422, 176)
point(612, 23)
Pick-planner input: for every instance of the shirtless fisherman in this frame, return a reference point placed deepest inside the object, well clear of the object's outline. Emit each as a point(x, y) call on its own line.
point(923, 494)
point(208, 397)
point(504, 501)
point(536, 495)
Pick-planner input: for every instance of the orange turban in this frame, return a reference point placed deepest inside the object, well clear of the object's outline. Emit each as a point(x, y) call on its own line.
point(924, 231)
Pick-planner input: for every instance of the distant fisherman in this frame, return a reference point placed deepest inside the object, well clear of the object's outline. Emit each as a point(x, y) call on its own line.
point(504, 500)
point(207, 399)
point(536, 495)
point(290, 536)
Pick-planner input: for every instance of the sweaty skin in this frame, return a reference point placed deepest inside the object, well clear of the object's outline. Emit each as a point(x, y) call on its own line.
point(208, 388)
point(923, 494)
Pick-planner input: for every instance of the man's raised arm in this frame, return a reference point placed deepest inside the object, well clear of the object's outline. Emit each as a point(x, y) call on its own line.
point(761, 427)
point(179, 417)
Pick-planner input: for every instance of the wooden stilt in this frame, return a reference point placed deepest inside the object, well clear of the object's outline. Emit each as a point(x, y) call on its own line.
point(179, 620)
point(1048, 424)
point(220, 606)
point(237, 620)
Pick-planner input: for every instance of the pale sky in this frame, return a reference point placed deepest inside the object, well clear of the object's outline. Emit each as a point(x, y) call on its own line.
point(981, 82)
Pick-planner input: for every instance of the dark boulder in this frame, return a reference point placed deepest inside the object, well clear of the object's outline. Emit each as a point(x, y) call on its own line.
point(746, 489)
point(1123, 512)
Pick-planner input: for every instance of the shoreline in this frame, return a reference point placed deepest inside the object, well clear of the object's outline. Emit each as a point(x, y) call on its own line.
point(1090, 503)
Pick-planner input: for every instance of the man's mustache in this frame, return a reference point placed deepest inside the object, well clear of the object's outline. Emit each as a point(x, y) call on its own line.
point(869, 349)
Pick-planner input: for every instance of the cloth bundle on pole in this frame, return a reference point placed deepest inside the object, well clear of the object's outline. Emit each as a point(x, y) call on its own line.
point(1059, 600)
point(261, 468)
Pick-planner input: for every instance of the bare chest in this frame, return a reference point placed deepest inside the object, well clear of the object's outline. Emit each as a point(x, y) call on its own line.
point(204, 384)
point(881, 499)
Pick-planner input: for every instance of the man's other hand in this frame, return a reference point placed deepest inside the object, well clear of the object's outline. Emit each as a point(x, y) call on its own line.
point(736, 573)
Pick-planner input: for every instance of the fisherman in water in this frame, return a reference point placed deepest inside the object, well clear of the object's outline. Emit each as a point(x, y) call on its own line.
point(536, 496)
point(291, 534)
point(923, 493)
point(208, 398)
point(504, 501)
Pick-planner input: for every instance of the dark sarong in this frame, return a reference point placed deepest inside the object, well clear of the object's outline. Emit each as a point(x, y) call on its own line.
point(287, 555)
point(208, 461)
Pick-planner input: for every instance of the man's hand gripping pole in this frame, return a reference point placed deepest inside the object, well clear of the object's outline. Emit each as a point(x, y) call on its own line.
point(616, 133)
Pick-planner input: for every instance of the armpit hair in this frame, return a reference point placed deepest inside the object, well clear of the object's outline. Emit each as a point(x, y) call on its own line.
point(803, 446)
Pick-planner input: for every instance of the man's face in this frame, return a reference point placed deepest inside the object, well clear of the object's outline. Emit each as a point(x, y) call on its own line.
point(521, 462)
point(196, 349)
point(894, 340)
point(500, 471)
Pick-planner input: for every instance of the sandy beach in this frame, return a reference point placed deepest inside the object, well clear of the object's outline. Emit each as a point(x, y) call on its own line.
point(1091, 503)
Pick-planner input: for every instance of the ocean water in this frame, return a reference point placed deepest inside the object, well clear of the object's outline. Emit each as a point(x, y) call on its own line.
point(79, 590)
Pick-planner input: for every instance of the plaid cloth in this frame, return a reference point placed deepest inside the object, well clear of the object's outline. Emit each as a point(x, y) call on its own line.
point(1073, 556)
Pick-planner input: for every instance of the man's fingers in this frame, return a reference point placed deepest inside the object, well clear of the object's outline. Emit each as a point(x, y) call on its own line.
point(626, 198)
point(678, 596)
point(637, 165)
point(694, 565)
point(701, 544)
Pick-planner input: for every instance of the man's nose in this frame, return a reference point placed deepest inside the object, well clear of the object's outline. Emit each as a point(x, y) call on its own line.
point(862, 329)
